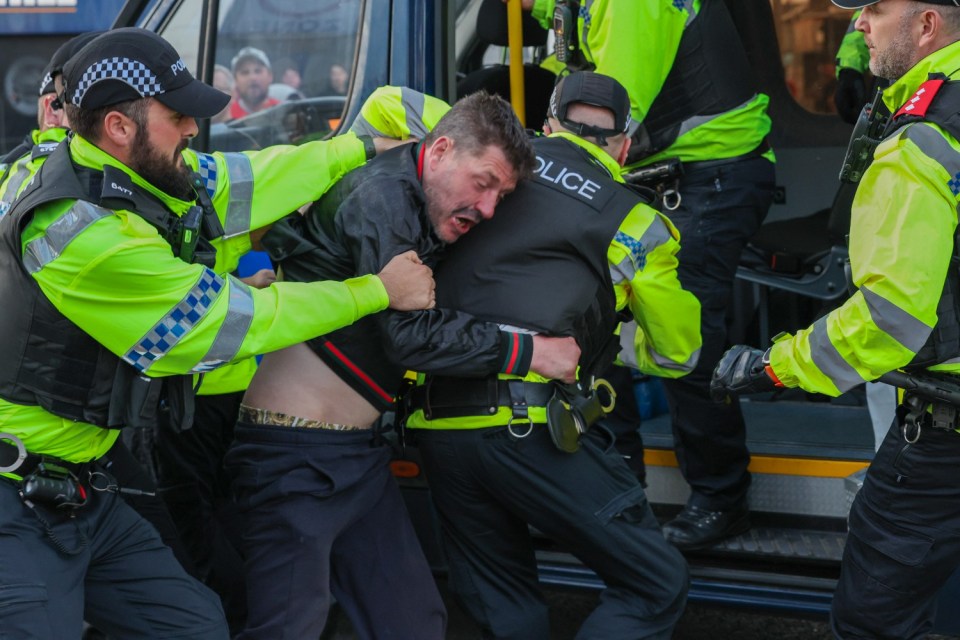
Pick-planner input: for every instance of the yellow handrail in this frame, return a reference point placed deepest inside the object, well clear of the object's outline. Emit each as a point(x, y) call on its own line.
point(515, 40)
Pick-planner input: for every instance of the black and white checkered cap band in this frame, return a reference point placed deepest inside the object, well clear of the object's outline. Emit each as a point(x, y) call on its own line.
point(47, 79)
point(133, 72)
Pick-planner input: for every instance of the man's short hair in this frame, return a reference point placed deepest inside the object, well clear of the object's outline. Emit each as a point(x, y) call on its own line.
point(481, 120)
point(88, 123)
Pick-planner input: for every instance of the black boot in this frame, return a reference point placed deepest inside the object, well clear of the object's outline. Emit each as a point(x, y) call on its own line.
point(696, 528)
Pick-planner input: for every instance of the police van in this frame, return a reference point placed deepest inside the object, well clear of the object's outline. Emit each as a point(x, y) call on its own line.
point(808, 452)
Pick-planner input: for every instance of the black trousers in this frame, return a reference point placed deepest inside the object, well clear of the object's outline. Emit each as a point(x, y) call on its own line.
point(195, 487)
point(322, 517)
point(102, 563)
point(489, 485)
point(721, 208)
point(904, 540)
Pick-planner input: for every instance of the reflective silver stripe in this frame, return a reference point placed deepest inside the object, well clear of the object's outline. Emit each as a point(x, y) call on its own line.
point(234, 329)
point(362, 127)
point(628, 353)
point(826, 357)
point(413, 106)
point(48, 247)
point(654, 236)
point(16, 180)
point(177, 323)
point(935, 146)
point(691, 12)
point(666, 363)
point(241, 194)
point(895, 322)
point(690, 124)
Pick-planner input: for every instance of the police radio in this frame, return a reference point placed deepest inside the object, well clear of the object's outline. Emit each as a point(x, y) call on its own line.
point(867, 134)
point(565, 31)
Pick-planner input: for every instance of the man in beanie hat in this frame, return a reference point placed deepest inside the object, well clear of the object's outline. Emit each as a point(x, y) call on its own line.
point(904, 540)
point(113, 253)
point(570, 249)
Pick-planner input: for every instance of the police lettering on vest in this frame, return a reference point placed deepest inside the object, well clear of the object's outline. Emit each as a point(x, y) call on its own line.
point(565, 177)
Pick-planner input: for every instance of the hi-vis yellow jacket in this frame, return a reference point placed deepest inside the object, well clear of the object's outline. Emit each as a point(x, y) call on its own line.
point(114, 276)
point(901, 241)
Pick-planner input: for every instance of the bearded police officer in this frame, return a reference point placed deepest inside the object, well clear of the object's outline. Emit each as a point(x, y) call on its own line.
point(904, 539)
point(568, 249)
point(113, 254)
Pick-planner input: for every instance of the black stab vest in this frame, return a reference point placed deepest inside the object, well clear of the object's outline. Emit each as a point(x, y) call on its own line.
point(541, 262)
point(49, 361)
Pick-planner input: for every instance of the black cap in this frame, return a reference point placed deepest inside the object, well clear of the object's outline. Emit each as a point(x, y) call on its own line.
point(860, 4)
point(594, 89)
point(131, 63)
point(60, 57)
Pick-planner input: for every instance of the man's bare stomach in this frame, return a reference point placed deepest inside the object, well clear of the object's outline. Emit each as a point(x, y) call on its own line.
point(296, 382)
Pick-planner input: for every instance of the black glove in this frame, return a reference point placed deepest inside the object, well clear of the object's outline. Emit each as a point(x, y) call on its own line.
point(742, 369)
point(851, 95)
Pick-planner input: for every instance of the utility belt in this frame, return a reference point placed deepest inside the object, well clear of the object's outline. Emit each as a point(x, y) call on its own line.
point(915, 413)
point(663, 177)
point(930, 400)
point(571, 409)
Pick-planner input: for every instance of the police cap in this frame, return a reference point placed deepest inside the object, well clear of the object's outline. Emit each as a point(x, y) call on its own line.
point(132, 63)
point(60, 57)
point(586, 87)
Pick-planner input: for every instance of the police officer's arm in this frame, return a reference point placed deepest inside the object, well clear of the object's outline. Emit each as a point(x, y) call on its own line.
point(666, 333)
point(633, 42)
point(253, 189)
point(116, 279)
point(439, 340)
point(901, 241)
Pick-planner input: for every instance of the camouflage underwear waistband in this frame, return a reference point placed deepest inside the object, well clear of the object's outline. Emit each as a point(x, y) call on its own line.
point(257, 416)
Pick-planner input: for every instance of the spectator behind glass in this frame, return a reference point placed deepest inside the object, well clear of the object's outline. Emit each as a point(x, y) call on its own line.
point(252, 77)
point(339, 80)
point(222, 80)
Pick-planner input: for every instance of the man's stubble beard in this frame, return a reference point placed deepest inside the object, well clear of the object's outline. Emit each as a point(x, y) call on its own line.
point(898, 57)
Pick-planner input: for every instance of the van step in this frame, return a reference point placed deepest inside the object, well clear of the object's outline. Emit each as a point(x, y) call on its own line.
point(782, 544)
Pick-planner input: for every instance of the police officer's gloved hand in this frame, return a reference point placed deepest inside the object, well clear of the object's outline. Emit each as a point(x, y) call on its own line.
point(742, 369)
point(851, 94)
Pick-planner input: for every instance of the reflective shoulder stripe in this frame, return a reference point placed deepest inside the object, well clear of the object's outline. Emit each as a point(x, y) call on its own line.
point(933, 145)
point(654, 236)
point(895, 322)
point(234, 329)
point(690, 9)
point(41, 251)
point(176, 323)
point(413, 106)
point(207, 168)
point(240, 174)
point(19, 173)
point(826, 357)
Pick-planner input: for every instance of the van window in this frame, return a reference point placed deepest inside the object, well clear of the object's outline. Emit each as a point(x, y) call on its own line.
point(287, 63)
point(809, 32)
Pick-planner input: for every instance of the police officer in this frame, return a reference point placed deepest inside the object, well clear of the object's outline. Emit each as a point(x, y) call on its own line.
point(903, 542)
point(693, 99)
point(569, 248)
point(109, 254)
point(853, 58)
point(19, 164)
